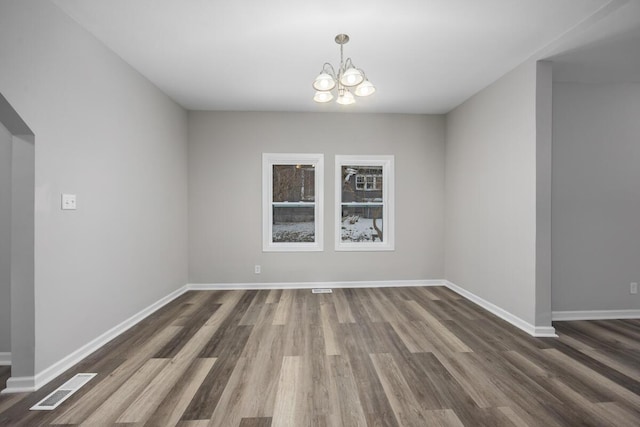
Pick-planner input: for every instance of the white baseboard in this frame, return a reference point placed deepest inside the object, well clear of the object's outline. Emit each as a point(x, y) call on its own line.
point(310, 285)
point(19, 385)
point(5, 359)
point(29, 384)
point(595, 315)
point(536, 331)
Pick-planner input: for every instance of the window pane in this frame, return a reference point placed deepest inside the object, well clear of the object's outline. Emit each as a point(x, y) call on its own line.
point(293, 224)
point(293, 183)
point(361, 184)
point(361, 224)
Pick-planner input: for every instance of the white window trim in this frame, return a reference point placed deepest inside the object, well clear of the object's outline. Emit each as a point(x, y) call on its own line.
point(388, 195)
point(270, 159)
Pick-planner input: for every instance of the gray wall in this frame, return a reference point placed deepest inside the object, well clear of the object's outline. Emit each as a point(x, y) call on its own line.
point(225, 162)
point(596, 196)
point(491, 195)
point(105, 133)
point(5, 240)
point(22, 256)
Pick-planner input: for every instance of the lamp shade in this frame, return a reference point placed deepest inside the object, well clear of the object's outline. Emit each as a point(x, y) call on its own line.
point(324, 82)
point(323, 96)
point(351, 77)
point(346, 98)
point(365, 88)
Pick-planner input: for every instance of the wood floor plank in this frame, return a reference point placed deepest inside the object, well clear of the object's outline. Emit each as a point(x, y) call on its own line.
point(202, 313)
point(193, 423)
point(332, 347)
point(284, 307)
point(255, 422)
point(81, 409)
point(274, 296)
point(9, 400)
point(617, 415)
point(229, 408)
point(345, 408)
point(435, 388)
point(513, 417)
point(173, 406)
point(443, 418)
point(208, 395)
point(475, 381)
point(355, 357)
point(110, 410)
point(630, 369)
point(264, 371)
point(587, 375)
point(253, 312)
point(442, 334)
point(412, 337)
point(403, 403)
point(341, 304)
point(150, 398)
point(289, 402)
point(374, 401)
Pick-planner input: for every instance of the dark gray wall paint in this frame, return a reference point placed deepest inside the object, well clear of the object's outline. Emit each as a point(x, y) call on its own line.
point(5, 240)
point(22, 256)
point(544, 102)
point(595, 196)
point(225, 155)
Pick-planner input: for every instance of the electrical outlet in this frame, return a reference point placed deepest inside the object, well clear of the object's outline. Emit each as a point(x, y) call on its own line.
point(68, 202)
point(633, 288)
point(257, 269)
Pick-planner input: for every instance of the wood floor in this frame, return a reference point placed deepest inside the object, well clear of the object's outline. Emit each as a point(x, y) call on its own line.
point(361, 357)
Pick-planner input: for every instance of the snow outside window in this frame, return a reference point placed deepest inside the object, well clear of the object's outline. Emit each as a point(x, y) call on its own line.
point(364, 203)
point(292, 195)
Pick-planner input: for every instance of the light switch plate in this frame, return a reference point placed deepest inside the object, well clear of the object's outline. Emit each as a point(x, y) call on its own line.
point(68, 202)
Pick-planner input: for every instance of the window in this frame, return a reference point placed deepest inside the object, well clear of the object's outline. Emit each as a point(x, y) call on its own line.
point(364, 203)
point(292, 189)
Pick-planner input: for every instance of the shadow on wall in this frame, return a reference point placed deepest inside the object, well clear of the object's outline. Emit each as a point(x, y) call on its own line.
point(18, 283)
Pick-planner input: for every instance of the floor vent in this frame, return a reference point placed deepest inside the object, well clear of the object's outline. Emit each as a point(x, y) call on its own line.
point(321, 291)
point(62, 393)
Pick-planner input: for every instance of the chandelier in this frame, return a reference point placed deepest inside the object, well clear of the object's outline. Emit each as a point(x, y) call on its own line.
point(346, 79)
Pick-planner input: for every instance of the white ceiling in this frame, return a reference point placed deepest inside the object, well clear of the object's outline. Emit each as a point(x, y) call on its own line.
point(424, 56)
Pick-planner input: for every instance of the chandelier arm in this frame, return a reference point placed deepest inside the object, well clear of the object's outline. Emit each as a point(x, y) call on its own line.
point(348, 63)
point(328, 68)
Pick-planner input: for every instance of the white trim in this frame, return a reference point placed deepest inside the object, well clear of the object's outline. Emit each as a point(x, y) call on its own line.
point(268, 161)
point(19, 385)
point(29, 384)
point(311, 285)
point(595, 315)
point(388, 196)
point(536, 331)
point(5, 359)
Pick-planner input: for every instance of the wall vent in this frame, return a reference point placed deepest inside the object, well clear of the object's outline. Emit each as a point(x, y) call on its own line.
point(321, 291)
point(62, 393)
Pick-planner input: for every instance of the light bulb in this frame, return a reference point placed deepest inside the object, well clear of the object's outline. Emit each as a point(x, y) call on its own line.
point(346, 98)
point(365, 88)
point(324, 82)
point(351, 77)
point(323, 96)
